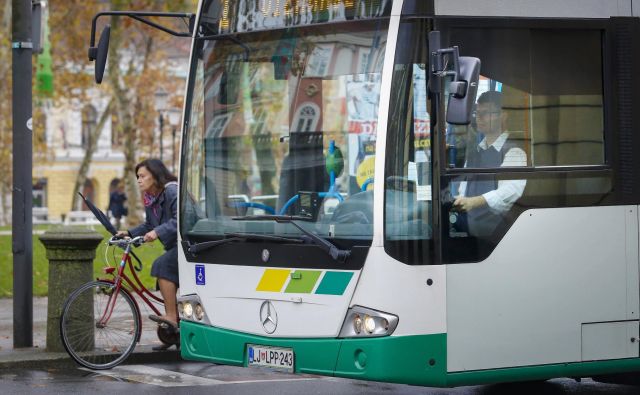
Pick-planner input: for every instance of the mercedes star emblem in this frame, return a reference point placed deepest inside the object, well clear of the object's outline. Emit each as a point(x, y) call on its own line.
point(265, 255)
point(268, 317)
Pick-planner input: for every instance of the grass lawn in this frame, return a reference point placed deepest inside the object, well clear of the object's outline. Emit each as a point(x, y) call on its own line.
point(146, 253)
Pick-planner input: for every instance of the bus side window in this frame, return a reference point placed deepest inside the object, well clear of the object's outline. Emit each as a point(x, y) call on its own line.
point(551, 112)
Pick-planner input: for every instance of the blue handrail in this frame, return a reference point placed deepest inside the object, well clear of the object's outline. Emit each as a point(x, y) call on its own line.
point(366, 184)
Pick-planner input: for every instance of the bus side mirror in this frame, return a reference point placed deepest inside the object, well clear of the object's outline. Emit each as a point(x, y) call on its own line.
point(99, 53)
point(463, 90)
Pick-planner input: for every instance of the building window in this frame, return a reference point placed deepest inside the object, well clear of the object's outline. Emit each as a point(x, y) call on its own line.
point(89, 123)
point(307, 118)
point(218, 125)
point(40, 192)
point(319, 62)
point(259, 123)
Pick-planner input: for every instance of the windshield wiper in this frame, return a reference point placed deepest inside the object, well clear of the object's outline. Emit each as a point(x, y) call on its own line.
point(330, 248)
point(271, 217)
point(205, 245)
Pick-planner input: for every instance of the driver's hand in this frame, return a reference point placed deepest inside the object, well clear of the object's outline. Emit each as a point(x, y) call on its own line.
point(464, 204)
point(122, 234)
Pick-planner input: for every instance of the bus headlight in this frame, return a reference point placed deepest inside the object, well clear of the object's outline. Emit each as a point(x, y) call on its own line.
point(187, 310)
point(191, 308)
point(199, 311)
point(364, 322)
point(369, 324)
point(357, 323)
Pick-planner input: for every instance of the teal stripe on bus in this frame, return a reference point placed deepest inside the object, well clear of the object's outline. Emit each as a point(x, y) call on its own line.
point(334, 283)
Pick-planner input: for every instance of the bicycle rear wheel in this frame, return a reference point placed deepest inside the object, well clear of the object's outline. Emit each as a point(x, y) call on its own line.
point(99, 328)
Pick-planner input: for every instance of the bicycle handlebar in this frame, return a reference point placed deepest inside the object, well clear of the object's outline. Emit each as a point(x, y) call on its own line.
point(136, 241)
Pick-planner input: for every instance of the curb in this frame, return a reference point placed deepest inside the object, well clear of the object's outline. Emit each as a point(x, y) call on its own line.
point(34, 358)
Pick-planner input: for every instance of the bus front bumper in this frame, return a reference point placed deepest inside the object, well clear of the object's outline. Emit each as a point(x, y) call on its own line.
point(418, 360)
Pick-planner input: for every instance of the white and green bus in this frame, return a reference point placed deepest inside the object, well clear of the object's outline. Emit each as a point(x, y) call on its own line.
point(326, 146)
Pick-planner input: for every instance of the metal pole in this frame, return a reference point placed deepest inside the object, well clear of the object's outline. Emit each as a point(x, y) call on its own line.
point(22, 245)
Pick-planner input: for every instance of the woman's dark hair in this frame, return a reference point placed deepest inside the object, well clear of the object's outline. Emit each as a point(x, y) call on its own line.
point(158, 170)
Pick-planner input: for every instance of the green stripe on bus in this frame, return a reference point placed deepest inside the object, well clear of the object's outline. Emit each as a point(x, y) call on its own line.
point(302, 281)
point(334, 283)
point(205, 343)
point(417, 360)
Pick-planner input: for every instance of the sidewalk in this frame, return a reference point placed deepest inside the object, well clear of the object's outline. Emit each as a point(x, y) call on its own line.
point(38, 357)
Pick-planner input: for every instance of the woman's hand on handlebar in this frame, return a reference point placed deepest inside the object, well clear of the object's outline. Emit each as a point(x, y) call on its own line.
point(150, 236)
point(123, 242)
point(122, 234)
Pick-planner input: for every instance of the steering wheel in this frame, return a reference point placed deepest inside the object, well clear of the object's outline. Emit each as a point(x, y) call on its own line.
point(400, 183)
point(358, 209)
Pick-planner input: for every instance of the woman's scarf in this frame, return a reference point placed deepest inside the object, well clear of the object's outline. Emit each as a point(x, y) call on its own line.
point(151, 201)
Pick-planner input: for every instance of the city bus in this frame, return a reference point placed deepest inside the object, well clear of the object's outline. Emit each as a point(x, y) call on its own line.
point(326, 148)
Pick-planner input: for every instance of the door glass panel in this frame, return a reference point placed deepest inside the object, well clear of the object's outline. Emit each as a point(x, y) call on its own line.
point(408, 193)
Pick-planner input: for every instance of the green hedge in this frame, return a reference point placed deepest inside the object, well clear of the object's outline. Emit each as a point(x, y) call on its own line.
point(146, 253)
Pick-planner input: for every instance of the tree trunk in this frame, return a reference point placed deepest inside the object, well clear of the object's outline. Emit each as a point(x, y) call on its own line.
point(88, 155)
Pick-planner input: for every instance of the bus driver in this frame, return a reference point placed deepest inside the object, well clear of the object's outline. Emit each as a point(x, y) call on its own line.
point(483, 198)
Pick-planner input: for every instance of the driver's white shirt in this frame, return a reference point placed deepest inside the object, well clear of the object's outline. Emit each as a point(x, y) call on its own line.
point(501, 199)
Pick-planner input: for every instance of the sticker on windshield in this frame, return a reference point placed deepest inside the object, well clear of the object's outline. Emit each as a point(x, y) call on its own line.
point(200, 277)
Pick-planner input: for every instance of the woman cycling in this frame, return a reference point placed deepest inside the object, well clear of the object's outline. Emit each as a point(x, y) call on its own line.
point(160, 190)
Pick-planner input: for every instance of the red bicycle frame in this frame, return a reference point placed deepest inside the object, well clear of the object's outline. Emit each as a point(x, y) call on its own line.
point(136, 286)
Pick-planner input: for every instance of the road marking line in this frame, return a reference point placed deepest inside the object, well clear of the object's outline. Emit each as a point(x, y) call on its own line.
point(168, 378)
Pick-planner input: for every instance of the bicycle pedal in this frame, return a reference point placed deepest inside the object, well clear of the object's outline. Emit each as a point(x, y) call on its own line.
point(165, 326)
point(162, 322)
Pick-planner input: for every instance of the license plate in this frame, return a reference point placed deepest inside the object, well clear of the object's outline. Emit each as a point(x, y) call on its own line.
point(271, 357)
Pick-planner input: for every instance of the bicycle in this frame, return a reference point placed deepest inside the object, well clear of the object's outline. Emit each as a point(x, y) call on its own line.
point(100, 323)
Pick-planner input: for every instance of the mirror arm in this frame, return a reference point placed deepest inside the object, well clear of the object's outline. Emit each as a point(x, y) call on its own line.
point(139, 17)
point(160, 27)
point(440, 55)
point(438, 60)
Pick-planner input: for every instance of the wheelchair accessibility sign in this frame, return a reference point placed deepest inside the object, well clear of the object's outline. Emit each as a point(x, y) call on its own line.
point(200, 276)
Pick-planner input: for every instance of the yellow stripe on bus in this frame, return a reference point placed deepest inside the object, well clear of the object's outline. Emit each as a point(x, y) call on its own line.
point(273, 280)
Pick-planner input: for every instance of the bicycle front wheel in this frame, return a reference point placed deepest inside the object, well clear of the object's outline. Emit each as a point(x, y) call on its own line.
point(99, 327)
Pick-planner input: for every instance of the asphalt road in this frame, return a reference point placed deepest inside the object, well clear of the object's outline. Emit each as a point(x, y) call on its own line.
point(195, 378)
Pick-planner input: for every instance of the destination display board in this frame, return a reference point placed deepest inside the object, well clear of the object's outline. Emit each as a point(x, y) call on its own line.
point(236, 16)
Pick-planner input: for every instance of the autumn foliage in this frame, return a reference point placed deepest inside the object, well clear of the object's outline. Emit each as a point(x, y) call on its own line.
point(137, 68)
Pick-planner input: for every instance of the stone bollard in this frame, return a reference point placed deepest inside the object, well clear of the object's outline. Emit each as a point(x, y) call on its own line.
point(70, 251)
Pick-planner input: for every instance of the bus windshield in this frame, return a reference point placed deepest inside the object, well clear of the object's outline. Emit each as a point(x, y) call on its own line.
point(283, 122)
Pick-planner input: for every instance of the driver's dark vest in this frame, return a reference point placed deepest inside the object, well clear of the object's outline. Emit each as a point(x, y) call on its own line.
point(481, 221)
